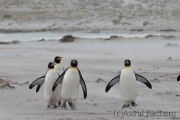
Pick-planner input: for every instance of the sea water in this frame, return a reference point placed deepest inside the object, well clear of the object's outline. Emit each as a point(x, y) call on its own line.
point(34, 36)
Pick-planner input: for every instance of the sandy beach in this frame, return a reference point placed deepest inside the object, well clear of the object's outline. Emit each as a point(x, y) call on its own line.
point(154, 54)
point(98, 59)
point(89, 15)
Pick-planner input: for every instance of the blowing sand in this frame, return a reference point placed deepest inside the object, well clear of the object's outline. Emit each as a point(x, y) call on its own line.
point(98, 59)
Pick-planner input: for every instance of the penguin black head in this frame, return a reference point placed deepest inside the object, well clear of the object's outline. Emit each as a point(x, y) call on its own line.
point(74, 63)
point(51, 65)
point(127, 63)
point(57, 59)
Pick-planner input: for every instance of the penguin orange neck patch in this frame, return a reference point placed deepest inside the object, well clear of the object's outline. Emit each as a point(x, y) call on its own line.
point(127, 66)
point(73, 68)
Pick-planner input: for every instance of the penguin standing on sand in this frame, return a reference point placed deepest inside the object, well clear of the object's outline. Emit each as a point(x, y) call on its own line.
point(70, 80)
point(39, 81)
point(60, 69)
point(128, 84)
point(51, 97)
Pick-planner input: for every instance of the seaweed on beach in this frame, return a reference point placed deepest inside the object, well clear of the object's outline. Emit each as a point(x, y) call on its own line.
point(12, 42)
point(67, 38)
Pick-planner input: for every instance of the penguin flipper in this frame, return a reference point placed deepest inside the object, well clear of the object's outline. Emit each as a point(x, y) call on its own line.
point(178, 78)
point(38, 87)
point(63, 68)
point(59, 80)
point(113, 82)
point(143, 80)
point(83, 84)
point(39, 81)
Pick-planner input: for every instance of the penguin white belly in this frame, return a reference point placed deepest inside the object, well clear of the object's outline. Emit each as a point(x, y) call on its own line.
point(128, 85)
point(51, 97)
point(70, 85)
point(59, 68)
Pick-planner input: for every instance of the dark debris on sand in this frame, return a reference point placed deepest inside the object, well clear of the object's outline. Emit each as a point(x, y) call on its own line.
point(12, 42)
point(6, 85)
point(67, 38)
point(100, 80)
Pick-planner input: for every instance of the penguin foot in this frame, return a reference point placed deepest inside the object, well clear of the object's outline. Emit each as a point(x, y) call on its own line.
point(124, 106)
point(55, 107)
point(59, 103)
point(48, 107)
point(73, 106)
point(133, 104)
point(64, 106)
point(70, 104)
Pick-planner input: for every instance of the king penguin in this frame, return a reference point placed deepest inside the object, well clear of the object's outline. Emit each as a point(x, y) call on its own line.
point(70, 80)
point(51, 97)
point(60, 69)
point(128, 84)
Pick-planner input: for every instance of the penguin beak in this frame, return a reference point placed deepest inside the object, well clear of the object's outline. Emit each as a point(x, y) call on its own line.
point(59, 58)
point(127, 62)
